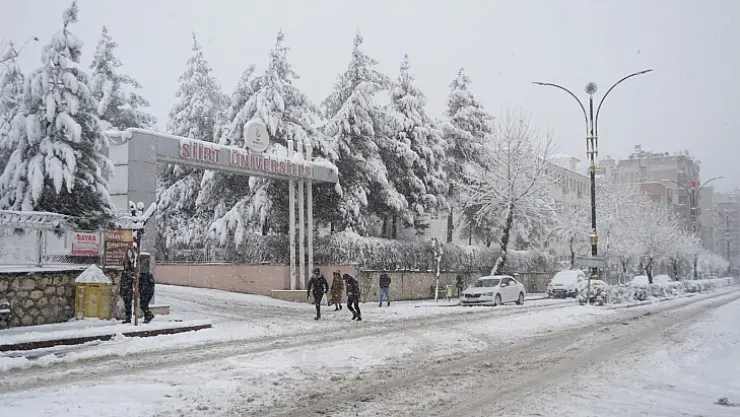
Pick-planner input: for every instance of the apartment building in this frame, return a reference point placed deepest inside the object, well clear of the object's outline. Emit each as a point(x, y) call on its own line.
point(726, 213)
point(706, 219)
point(662, 177)
point(572, 188)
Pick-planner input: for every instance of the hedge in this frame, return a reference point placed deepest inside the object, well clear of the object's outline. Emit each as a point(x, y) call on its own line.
point(373, 253)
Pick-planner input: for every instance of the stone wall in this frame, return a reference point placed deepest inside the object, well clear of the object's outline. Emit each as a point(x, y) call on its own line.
point(43, 297)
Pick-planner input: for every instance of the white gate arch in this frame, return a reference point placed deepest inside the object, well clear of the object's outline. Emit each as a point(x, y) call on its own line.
point(136, 152)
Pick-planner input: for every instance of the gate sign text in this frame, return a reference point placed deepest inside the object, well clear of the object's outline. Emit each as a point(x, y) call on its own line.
point(207, 153)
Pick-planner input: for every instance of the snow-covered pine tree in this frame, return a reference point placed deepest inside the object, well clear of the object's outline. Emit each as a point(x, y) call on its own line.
point(223, 196)
point(413, 154)
point(288, 115)
point(57, 165)
point(356, 125)
point(198, 114)
point(465, 132)
point(11, 96)
point(119, 104)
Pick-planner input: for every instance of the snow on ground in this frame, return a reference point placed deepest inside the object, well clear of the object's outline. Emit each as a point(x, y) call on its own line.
point(234, 316)
point(241, 384)
point(212, 387)
point(249, 381)
point(683, 374)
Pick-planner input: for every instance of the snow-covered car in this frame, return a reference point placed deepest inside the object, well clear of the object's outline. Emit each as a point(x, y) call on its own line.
point(565, 283)
point(493, 290)
point(643, 280)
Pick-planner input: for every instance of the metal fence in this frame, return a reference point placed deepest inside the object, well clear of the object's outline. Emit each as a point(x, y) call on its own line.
point(45, 239)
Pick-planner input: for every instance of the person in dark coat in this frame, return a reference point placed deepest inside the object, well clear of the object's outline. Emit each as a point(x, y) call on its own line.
point(384, 283)
point(317, 286)
point(353, 296)
point(146, 287)
point(127, 290)
point(337, 288)
point(459, 285)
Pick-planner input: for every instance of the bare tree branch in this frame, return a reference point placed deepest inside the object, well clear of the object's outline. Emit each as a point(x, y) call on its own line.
point(516, 187)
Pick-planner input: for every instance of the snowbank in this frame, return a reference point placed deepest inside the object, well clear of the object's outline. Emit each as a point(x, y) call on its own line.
point(620, 294)
point(92, 275)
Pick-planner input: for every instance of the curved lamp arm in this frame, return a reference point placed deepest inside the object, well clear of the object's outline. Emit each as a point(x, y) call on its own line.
point(583, 109)
point(598, 109)
point(708, 181)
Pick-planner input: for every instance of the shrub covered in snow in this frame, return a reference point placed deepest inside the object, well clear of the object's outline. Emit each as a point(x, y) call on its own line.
point(371, 252)
point(618, 294)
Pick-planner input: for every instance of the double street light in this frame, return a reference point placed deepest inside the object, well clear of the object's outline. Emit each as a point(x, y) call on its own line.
point(592, 148)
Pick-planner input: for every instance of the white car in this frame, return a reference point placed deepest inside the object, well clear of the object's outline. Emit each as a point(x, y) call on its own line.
point(493, 290)
point(566, 283)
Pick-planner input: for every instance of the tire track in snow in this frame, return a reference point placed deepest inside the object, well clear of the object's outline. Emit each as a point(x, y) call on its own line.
point(473, 383)
point(114, 365)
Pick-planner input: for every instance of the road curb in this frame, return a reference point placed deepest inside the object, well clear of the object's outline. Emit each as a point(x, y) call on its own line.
point(41, 344)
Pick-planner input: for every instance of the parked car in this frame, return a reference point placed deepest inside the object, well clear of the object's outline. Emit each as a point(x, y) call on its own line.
point(494, 290)
point(643, 280)
point(565, 283)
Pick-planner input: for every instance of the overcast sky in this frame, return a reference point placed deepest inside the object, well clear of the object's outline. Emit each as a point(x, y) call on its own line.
point(689, 102)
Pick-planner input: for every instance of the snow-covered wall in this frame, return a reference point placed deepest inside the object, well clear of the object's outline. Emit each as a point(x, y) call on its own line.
point(244, 278)
point(43, 297)
point(263, 279)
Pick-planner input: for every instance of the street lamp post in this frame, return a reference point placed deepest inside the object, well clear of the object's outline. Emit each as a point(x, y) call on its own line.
point(592, 150)
point(693, 194)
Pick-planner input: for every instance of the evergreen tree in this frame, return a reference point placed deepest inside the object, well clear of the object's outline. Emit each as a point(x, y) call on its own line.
point(118, 103)
point(198, 114)
point(356, 125)
point(288, 115)
point(57, 165)
point(465, 132)
point(413, 154)
point(222, 195)
point(11, 96)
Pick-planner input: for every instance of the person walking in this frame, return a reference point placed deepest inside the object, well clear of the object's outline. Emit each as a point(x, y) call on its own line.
point(337, 288)
point(127, 289)
point(459, 285)
point(318, 287)
point(146, 287)
point(384, 282)
point(353, 296)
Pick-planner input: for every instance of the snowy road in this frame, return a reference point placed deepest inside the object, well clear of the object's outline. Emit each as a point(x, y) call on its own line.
point(500, 378)
point(403, 362)
point(291, 316)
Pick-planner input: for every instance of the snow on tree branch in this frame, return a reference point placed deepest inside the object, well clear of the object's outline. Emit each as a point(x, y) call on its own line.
point(516, 187)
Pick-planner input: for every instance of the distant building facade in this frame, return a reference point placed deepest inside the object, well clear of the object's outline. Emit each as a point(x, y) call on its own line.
point(658, 175)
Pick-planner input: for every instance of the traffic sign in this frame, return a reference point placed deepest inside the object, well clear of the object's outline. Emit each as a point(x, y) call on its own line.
point(591, 261)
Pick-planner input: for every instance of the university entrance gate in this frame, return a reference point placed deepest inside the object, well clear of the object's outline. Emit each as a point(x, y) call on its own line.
point(136, 152)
